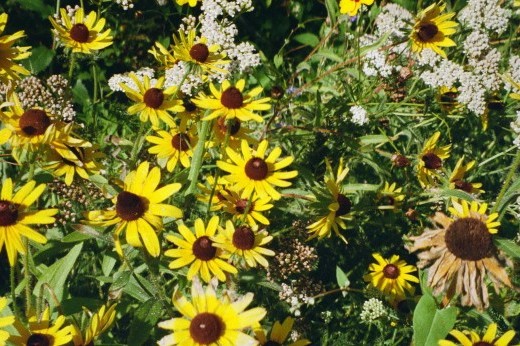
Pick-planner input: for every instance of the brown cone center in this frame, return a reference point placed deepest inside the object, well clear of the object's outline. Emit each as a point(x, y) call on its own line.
point(234, 125)
point(206, 328)
point(256, 168)
point(153, 98)
point(244, 238)
point(391, 271)
point(241, 206)
point(468, 238)
point(34, 122)
point(8, 213)
point(189, 106)
point(344, 205)
point(130, 206)
point(463, 185)
point(483, 343)
point(272, 343)
point(38, 340)
point(181, 142)
point(232, 98)
point(432, 161)
point(79, 33)
point(199, 52)
point(203, 249)
point(427, 32)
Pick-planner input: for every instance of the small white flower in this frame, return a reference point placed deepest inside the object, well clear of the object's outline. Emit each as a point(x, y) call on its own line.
point(359, 115)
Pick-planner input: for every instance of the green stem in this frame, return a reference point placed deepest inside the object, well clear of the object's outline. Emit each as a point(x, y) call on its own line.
point(13, 290)
point(198, 153)
point(27, 276)
point(507, 182)
point(138, 144)
point(95, 82)
point(71, 66)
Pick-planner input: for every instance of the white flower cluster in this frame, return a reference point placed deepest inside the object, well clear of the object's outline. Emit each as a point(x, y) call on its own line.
point(515, 125)
point(485, 15)
point(70, 13)
point(513, 72)
point(392, 19)
point(188, 23)
point(485, 70)
point(446, 73)
point(125, 4)
point(115, 81)
point(427, 57)
point(476, 44)
point(178, 76)
point(375, 61)
point(373, 309)
point(471, 93)
point(359, 115)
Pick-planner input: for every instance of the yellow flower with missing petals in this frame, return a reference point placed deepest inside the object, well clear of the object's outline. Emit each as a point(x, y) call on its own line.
point(100, 322)
point(469, 338)
point(42, 332)
point(431, 160)
point(9, 69)
point(82, 34)
point(351, 7)
point(457, 178)
point(390, 197)
point(70, 161)
point(278, 334)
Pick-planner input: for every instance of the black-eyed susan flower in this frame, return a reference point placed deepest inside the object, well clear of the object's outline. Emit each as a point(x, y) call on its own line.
point(447, 98)
point(198, 251)
point(82, 34)
point(471, 338)
point(254, 172)
point(5, 321)
point(390, 197)
point(460, 253)
point(457, 180)
point(138, 210)
point(152, 103)
point(209, 320)
point(431, 30)
point(213, 191)
point(231, 102)
point(244, 244)
point(278, 334)
point(431, 160)
point(174, 146)
point(391, 276)
point(9, 54)
point(332, 203)
point(16, 216)
point(100, 322)
point(70, 161)
point(351, 7)
point(233, 138)
point(247, 210)
point(42, 331)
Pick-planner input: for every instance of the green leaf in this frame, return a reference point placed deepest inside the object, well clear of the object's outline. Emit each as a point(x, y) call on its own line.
point(360, 187)
point(145, 319)
point(375, 45)
point(341, 278)
point(278, 60)
point(307, 38)
point(80, 93)
point(37, 6)
point(75, 237)
point(332, 10)
point(431, 324)
point(373, 139)
point(103, 184)
point(271, 285)
point(508, 246)
point(56, 275)
point(41, 57)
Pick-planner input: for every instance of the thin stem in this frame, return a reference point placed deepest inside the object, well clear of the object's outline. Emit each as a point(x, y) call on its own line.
point(27, 276)
point(71, 66)
point(337, 290)
point(138, 144)
point(12, 277)
point(198, 153)
point(507, 182)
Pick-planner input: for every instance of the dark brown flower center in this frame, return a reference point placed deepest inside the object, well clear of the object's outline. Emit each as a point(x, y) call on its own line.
point(427, 32)
point(206, 328)
point(468, 238)
point(188, 105)
point(272, 343)
point(232, 98)
point(463, 185)
point(241, 206)
point(483, 343)
point(391, 271)
point(199, 52)
point(388, 200)
point(344, 205)
point(203, 249)
point(277, 92)
point(39, 340)
point(256, 168)
point(234, 125)
point(79, 33)
point(153, 98)
point(432, 161)
point(400, 160)
point(449, 97)
point(244, 238)
point(181, 142)
point(8, 213)
point(130, 206)
point(34, 122)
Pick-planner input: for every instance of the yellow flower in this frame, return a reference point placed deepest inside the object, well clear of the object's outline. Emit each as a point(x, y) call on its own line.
point(237, 132)
point(457, 178)
point(82, 34)
point(253, 172)
point(152, 102)
point(246, 210)
point(100, 322)
point(174, 146)
point(333, 202)
point(208, 320)
point(489, 338)
point(351, 7)
point(278, 334)
point(243, 244)
point(431, 30)
point(5, 321)
point(230, 102)
point(213, 191)
point(430, 160)
point(192, 3)
point(42, 332)
point(138, 210)
point(391, 197)
point(73, 160)
point(9, 69)
point(391, 276)
point(15, 217)
point(198, 251)
point(461, 252)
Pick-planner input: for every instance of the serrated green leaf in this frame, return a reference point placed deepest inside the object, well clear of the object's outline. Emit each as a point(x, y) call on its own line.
point(307, 38)
point(145, 318)
point(271, 285)
point(431, 324)
point(508, 246)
